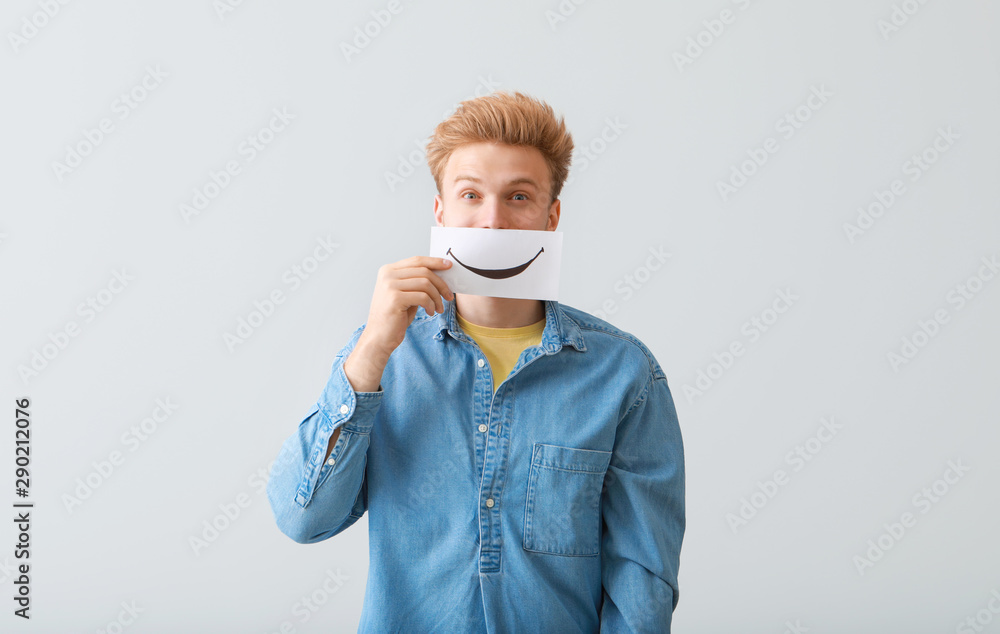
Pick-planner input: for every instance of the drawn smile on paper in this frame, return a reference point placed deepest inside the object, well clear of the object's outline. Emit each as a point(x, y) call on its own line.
point(497, 274)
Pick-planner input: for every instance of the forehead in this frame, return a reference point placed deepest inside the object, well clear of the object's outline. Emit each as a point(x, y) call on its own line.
point(496, 162)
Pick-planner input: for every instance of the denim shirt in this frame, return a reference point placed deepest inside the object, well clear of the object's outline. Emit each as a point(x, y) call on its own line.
point(555, 504)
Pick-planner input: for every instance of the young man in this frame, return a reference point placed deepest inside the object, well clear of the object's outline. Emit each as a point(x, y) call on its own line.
point(520, 460)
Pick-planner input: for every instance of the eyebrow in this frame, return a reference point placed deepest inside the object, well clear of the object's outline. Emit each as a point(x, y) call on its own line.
point(524, 180)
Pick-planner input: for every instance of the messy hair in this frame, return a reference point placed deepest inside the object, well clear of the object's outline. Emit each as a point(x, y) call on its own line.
point(512, 119)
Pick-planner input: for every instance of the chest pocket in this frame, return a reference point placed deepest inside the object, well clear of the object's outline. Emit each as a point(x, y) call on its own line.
point(562, 514)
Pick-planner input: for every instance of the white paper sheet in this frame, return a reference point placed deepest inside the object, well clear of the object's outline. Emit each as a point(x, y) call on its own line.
point(500, 262)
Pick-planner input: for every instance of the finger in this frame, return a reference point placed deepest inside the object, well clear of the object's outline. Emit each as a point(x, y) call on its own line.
point(423, 260)
point(441, 286)
point(417, 298)
point(424, 273)
point(424, 285)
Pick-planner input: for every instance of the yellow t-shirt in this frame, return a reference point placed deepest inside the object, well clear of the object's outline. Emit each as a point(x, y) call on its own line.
point(503, 346)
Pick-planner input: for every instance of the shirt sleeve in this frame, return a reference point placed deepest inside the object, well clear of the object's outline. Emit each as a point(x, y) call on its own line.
point(643, 514)
point(312, 499)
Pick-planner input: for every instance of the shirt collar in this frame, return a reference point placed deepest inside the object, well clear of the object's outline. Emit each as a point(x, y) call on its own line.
point(560, 328)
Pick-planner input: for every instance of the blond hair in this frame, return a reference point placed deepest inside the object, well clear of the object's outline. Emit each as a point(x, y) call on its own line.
point(501, 117)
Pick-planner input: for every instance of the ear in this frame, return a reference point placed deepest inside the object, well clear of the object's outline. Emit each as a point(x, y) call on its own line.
point(553, 220)
point(438, 210)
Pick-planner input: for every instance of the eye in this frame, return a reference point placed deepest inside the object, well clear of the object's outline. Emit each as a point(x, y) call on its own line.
point(522, 197)
point(467, 194)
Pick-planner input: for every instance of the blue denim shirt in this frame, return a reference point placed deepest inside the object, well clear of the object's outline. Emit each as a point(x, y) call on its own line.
point(554, 505)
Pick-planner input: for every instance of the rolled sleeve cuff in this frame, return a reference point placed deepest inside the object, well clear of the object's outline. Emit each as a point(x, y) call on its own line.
point(339, 402)
point(340, 406)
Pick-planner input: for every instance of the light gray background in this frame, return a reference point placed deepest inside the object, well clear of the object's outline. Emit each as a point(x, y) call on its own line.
point(653, 186)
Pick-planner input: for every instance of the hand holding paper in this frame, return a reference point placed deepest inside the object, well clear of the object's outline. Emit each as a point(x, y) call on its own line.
point(400, 289)
point(500, 262)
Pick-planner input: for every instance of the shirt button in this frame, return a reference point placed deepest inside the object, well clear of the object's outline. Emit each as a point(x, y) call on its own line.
point(490, 502)
point(344, 409)
point(481, 363)
point(483, 428)
point(330, 462)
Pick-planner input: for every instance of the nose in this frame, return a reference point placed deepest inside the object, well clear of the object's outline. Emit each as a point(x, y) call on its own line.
point(492, 214)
